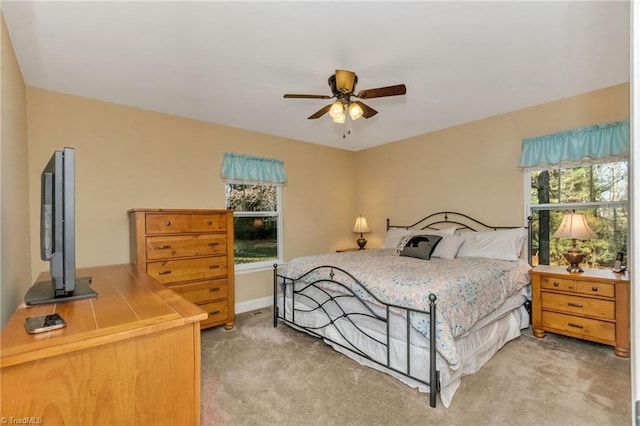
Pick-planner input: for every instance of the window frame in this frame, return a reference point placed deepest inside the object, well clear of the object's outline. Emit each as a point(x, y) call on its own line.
point(264, 264)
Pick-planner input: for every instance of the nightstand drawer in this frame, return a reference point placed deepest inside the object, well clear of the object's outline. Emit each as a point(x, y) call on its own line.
point(579, 305)
point(596, 289)
point(590, 329)
point(560, 284)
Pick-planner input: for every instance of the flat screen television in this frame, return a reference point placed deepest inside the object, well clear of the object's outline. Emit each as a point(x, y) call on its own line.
point(57, 234)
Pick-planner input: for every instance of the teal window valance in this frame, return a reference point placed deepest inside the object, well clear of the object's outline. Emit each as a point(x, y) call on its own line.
point(601, 143)
point(237, 168)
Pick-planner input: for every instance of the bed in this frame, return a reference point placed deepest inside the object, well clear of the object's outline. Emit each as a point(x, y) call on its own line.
point(434, 304)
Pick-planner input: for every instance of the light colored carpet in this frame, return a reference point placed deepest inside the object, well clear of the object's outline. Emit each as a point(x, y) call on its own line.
point(259, 375)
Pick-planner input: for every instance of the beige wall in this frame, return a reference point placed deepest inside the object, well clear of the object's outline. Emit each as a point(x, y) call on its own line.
point(130, 158)
point(15, 274)
point(471, 168)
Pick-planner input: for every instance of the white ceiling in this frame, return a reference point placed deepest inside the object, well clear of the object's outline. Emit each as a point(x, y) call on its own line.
point(231, 62)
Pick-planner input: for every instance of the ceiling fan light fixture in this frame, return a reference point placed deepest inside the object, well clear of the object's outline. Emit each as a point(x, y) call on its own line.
point(355, 111)
point(340, 118)
point(337, 109)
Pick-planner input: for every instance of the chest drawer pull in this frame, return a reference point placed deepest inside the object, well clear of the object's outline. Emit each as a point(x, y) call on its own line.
point(214, 289)
point(214, 266)
point(575, 325)
point(214, 312)
point(575, 305)
point(163, 247)
point(209, 222)
point(556, 284)
point(215, 243)
point(167, 223)
point(164, 272)
point(594, 288)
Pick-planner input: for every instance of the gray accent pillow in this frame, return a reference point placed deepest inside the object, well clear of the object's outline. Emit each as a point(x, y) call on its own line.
point(421, 246)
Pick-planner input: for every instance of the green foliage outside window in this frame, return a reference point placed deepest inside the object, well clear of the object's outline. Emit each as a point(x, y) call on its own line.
point(600, 192)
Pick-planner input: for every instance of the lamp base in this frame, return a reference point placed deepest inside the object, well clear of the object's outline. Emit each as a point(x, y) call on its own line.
point(361, 243)
point(574, 256)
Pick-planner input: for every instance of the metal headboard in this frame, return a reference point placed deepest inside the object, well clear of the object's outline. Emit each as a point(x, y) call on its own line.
point(461, 221)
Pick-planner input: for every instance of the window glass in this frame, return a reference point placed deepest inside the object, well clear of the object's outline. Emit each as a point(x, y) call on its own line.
point(256, 223)
point(600, 192)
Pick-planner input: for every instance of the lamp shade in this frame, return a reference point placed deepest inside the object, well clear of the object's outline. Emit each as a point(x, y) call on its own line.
point(361, 225)
point(336, 110)
point(355, 111)
point(574, 226)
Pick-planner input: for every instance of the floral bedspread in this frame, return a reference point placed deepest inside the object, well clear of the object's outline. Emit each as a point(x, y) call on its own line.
point(467, 289)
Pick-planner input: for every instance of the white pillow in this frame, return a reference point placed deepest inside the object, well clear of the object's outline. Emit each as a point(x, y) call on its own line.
point(393, 236)
point(448, 247)
point(504, 244)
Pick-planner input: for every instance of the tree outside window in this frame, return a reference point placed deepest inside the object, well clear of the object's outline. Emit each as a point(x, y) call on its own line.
point(600, 192)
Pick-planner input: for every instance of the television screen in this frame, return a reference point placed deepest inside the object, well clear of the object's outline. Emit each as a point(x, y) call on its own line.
point(57, 234)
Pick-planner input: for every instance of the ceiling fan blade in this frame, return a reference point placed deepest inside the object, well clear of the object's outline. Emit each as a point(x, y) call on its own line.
point(380, 92)
point(293, 96)
point(345, 81)
point(320, 113)
point(367, 111)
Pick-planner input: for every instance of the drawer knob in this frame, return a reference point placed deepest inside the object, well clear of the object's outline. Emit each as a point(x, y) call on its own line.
point(210, 222)
point(575, 325)
point(214, 289)
point(214, 312)
point(167, 223)
point(214, 266)
point(594, 288)
point(575, 305)
point(556, 284)
point(163, 247)
point(164, 272)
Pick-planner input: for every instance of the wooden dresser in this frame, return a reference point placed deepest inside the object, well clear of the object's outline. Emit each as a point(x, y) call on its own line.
point(191, 252)
point(129, 356)
point(592, 305)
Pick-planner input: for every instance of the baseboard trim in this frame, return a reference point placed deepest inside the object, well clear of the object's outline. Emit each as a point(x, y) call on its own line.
point(252, 305)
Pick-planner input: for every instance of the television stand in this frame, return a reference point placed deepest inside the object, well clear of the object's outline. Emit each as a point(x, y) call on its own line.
point(42, 292)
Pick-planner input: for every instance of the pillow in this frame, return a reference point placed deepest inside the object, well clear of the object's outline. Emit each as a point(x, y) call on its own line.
point(445, 231)
point(448, 247)
point(503, 244)
point(393, 236)
point(411, 233)
point(421, 246)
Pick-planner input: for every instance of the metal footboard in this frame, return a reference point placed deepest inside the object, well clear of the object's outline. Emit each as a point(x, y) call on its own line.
point(305, 289)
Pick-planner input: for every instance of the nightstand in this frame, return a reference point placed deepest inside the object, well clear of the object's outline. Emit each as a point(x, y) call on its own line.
point(591, 305)
point(348, 249)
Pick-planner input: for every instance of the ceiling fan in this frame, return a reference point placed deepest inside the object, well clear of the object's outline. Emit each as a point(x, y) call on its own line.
point(343, 84)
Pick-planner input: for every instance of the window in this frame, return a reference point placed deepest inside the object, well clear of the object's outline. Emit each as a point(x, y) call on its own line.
point(600, 192)
point(253, 188)
point(257, 224)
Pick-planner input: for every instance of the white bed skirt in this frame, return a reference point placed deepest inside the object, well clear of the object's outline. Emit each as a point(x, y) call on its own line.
point(476, 346)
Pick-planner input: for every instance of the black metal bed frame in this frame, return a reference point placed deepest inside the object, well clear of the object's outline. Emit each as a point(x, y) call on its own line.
point(288, 290)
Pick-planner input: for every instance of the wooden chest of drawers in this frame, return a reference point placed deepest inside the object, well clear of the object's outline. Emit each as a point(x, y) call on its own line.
point(591, 305)
point(190, 252)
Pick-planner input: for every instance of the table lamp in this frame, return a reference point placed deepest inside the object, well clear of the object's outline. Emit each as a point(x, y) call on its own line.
point(361, 227)
point(575, 227)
